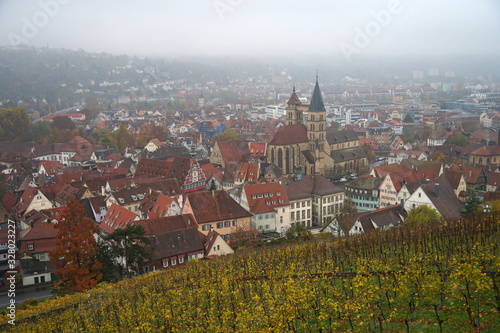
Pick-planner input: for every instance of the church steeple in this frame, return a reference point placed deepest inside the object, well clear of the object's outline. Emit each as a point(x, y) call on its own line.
point(316, 99)
point(294, 110)
point(316, 120)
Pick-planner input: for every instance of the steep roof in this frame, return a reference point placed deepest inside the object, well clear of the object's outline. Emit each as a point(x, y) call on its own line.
point(316, 104)
point(471, 174)
point(367, 182)
point(454, 177)
point(445, 200)
point(215, 206)
point(294, 99)
point(117, 217)
point(290, 134)
point(385, 217)
point(235, 151)
point(265, 196)
point(166, 243)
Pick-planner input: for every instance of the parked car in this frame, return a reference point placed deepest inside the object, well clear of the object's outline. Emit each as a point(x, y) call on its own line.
point(343, 179)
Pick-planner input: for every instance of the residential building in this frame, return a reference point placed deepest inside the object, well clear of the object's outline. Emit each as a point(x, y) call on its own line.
point(173, 241)
point(269, 204)
point(216, 209)
point(364, 192)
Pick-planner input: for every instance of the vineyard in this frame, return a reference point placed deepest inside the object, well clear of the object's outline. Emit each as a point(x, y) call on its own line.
point(439, 278)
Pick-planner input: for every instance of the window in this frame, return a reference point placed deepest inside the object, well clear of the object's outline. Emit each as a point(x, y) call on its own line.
point(206, 227)
point(227, 224)
point(146, 269)
point(37, 280)
point(234, 223)
point(181, 260)
point(173, 262)
point(292, 216)
point(42, 256)
point(308, 203)
point(165, 263)
point(292, 206)
point(220, 225)
point(42, 279)
point(281, 219)
point(267, 226)
point(303, 203)
point(31, 247)
point(420, 195)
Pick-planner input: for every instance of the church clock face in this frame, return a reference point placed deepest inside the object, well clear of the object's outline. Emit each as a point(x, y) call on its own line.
point(195, 176)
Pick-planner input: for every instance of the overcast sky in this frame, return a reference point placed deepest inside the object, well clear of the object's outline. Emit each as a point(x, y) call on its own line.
point(256, 27)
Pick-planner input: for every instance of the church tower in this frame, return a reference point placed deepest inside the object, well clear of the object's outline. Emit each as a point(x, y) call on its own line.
point(294, 110)
point(316, 121)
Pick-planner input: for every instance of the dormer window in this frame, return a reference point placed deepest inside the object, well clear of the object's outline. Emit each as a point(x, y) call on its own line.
point(278, 193)
point(121, 200)
point(31, 246)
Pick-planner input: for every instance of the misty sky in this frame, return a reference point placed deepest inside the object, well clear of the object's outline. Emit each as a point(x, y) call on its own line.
point(255, 27)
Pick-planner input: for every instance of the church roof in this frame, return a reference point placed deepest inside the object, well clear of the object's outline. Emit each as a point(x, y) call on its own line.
point(294, 99)
point(316, 100)
point(290, 134)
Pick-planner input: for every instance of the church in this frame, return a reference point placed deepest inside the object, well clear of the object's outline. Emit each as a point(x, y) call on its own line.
point(305, 148)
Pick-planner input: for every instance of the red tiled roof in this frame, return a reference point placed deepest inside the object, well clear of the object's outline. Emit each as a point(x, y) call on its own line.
point(384, 170)
point(494, 179)
point(272, 195)
point(258, 149)
point(219, 206)
point(235, 151)
point(117, 217)
point(453, 178)
point(471, 174)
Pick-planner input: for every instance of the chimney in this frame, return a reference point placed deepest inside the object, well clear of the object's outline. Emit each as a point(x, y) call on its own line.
point(153, 243)
point(436, 189)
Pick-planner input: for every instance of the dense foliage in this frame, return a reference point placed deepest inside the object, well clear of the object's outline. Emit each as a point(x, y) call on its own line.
point(439, 277)
point(75, 256)
point(14, 124)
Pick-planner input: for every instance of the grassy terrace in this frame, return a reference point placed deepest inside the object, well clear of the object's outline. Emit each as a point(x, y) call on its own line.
point(414, 279)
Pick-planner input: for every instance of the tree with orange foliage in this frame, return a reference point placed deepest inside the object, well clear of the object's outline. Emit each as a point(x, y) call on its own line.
point(74, 257)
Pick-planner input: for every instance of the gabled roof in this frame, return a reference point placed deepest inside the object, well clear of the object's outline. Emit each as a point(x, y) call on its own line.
point(426, 169)
point(316, 104)
point(117, 217)
point(156, 205)
point(290, 134)
point(494, 179)
point(404, 177)
point(471, 174)
point(454, 177)
point(215, 206)
point(446, 202)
